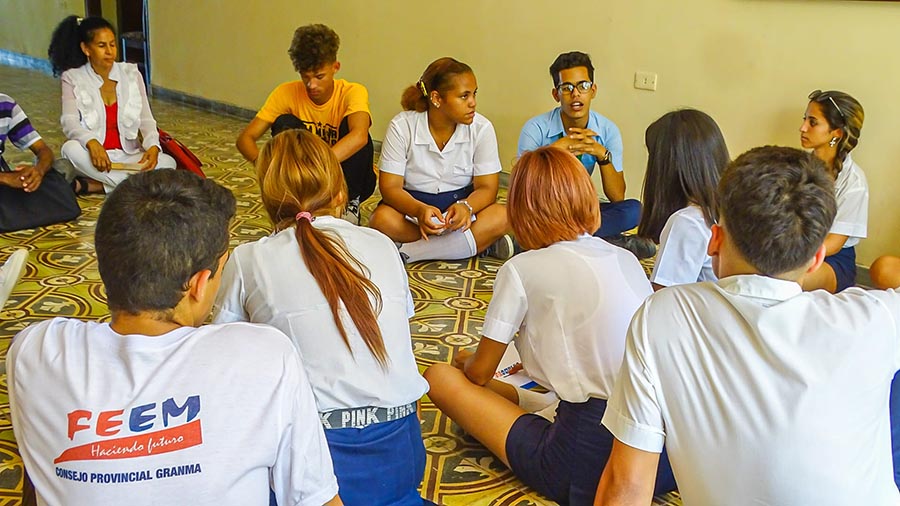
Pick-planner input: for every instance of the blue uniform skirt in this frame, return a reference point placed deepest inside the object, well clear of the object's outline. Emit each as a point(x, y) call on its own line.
point(381, 464)
point(844, 265)
point(564, 459)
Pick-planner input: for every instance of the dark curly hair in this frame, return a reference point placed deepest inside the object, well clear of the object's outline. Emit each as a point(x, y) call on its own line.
point(571, 60)
point(313, 46)
point(65, 44)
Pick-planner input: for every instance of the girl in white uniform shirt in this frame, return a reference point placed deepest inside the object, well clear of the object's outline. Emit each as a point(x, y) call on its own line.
point(831, 128)
point(566, 304)
point(104, 106)
point(439, 170)
point(340, 292)
point(687, 153)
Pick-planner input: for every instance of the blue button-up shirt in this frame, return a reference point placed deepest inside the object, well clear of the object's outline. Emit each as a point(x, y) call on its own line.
point(547, 128)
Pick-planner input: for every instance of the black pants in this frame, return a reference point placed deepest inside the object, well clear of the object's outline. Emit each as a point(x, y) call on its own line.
point(358, 171)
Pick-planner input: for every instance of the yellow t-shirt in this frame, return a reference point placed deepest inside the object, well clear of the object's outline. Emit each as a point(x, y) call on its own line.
point(323, 120)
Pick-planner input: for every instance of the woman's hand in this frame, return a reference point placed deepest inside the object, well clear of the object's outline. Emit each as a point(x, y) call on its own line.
point(431, 221)
point(459, 217)
point(99, 157)
point(459, 361)
point(150, 158)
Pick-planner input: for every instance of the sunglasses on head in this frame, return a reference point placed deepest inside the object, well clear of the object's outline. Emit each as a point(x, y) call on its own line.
point(816, 95)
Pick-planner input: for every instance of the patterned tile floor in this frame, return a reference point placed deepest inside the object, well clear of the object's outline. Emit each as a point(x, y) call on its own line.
point(62, 280)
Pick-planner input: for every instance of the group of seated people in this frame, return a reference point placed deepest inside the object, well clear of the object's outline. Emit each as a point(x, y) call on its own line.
point(304, 390)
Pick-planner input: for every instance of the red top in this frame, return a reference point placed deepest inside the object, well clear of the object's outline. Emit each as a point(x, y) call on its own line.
point(112, 140)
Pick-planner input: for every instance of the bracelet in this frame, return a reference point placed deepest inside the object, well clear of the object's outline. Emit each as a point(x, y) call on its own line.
point(465, 203)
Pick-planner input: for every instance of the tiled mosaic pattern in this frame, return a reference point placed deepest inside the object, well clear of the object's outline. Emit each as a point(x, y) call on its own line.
point(62, 280)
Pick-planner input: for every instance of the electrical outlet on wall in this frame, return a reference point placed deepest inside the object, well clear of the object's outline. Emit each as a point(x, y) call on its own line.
point(645, 80)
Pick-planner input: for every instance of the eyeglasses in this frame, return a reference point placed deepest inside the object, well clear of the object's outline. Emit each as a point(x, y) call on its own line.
point(816, 95)
point(567, 88)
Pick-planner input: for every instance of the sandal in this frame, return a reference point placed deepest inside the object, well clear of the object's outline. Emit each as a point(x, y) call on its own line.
point(81, 185)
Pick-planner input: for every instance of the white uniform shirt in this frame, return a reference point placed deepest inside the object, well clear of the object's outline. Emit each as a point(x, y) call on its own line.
point(852, 192)
point(200, 416)
point(409, 150)
point(682, 254)
point(570, 303)
point(763, 394)
point(267, 282)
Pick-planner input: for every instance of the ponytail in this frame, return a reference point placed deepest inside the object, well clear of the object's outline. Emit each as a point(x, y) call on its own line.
point(342, 278)
point(415, 98)
point(65, 52)
point(437, 77)
point(299, 177)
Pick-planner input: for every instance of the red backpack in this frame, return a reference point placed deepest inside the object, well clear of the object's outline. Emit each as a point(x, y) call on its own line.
point(184, 158)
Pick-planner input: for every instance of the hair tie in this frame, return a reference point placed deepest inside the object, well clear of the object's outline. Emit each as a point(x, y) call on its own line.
point(78, 21)
point(421, 85)
point(304, 215)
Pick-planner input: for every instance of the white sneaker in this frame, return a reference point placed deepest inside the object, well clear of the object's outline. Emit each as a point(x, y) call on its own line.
point(503, 248)
point(11, 272)
point(351, 214)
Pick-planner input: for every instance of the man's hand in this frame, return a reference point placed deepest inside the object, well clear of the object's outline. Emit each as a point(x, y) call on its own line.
point(582, 142)
point(99, 157)
point(29, 178)
point(458, 217)
point(150, 158)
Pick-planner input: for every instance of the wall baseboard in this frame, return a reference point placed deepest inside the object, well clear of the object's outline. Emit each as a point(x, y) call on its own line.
point(201, 103)
point(24, 61)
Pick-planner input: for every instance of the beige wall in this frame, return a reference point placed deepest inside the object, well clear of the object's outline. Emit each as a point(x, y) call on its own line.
point(748, 63)
point(26, 25)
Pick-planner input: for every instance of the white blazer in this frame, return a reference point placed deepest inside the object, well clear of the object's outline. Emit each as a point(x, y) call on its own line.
point(84, 114)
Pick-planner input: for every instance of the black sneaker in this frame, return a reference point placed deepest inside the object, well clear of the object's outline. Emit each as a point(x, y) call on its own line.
point(640, 247)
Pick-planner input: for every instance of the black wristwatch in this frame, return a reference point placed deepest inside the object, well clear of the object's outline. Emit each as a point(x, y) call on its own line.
point(606, 160)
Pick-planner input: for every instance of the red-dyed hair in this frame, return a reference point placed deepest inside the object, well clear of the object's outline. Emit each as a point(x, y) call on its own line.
point(298, 172)
point(551, 198)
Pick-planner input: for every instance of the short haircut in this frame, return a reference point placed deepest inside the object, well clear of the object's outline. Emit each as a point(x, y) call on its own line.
point(156, 230)
point(778, 205)
point(551, 198)
point(571, 60)
point(313, 47)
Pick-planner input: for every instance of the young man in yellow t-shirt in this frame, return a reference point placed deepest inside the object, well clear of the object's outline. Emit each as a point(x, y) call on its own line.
point(334, 109)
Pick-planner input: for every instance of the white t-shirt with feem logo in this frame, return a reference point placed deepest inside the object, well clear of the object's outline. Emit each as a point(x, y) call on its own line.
point(213, 415)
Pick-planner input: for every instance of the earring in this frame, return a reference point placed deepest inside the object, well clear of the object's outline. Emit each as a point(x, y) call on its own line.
point(437, 105)
point(833, 142)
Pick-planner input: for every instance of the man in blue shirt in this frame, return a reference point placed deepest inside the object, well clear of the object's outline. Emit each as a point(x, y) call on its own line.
point(594, 139)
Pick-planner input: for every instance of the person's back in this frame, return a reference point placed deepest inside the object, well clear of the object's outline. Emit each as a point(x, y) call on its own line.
point(153, 408)
point(269, 282)
point(341, 293)
point(194, 416)
point(790, 405)
point(762, 394)
point(580, 296)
